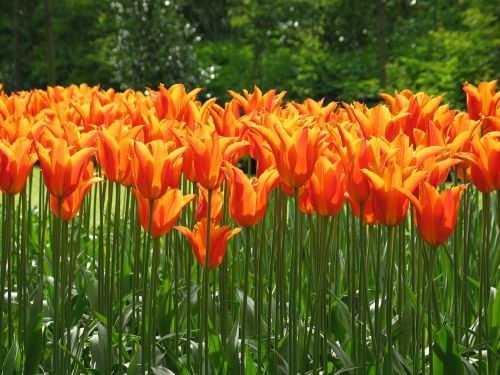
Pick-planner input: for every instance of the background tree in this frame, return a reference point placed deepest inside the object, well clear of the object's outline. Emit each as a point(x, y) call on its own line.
point(325, 48)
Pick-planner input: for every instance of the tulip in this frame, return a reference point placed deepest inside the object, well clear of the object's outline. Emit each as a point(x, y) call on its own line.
point(481, 100)
point(355, 157)
point(216, 205)
point(295, 146)
point(62, 172)
point(173, 103)
point(207, 152)
point(113, 152)
point(249, 198)
point(368, 214)
point(70, 205)
point(218, 241)
point(268, 102)
point(166, 210)
point(156, 166)
point(485, 165)
point(436, 213)
point(390, 201)
point(16, 162)
point(378, 121)
point(327, 186)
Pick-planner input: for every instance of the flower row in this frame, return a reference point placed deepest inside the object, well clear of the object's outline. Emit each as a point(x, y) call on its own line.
point(379, 159)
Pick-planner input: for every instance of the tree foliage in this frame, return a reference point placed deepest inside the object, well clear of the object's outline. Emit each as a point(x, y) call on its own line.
point(329, 48)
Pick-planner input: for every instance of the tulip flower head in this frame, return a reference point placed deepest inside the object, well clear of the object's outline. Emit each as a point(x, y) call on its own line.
point(249, 197)
point(113, 152)
point(207, 152)
point(481, 100)
point(436, 213)
point(166, 210)
point(485, 165)
point(327, 185)
point(62, 171)
point(295, 146)
point(16, 161)
point(216, 205)
point(218, 241)
point(390, 193)
point(156, 166)
point(70, 204)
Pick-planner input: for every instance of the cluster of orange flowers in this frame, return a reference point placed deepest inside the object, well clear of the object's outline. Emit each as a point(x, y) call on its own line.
point(380, 159)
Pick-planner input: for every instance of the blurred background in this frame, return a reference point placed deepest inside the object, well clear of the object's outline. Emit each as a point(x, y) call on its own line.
point(337, 49)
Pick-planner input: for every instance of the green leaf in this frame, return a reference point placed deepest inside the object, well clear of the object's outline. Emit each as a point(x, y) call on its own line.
point(11, 364)
point(98, 348)
point(162, 371)
point(34, 335)
point(446, 358)
point(133, 367)
point(232, 348)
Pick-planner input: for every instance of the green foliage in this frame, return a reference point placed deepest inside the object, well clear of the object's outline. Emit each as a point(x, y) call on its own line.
point(326, 48)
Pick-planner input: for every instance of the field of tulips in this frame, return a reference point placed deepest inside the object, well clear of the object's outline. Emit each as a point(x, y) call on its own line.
point(154, 233)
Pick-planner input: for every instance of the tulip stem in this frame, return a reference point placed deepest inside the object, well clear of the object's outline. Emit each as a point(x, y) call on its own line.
point(6, 267)
point(206, 290)
point(120, 282)
point(389, 288)
point(465, 265)
point(430, 290)
point(111, 284)
point(292, 315)
point(146, 344)
point(248, 235)
point(484, 283)
point(259, 298)
point(152, 299)
point(377, 332)
point(363, 298)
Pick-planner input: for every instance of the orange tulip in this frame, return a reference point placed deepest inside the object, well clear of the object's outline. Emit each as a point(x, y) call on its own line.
point(249, 198)
point(16, 161)
point(218, 241)
point(62, 171)
point(173, 103)
point(481, 100)
point(113, 152)
point(356, 157)
point(216, 205)
point(207, 152)
point(295, 146)
point(378, 121)
point(436, 213)
point(485, 161)
point(368, 214)
point(390, 193)
point(268, 102)
point(156, 166)
point(70, 205)
point(327, 185)
point(166, 210)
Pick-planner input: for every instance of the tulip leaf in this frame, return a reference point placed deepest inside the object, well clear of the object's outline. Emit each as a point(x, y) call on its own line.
point(232, 348)
point(446, 358)
point(34, 335)
point(162, 371)
point(12, 361)
point(133, 367)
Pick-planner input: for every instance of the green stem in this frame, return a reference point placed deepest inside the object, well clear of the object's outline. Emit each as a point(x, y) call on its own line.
point(121, 282)
point(206, 290)
point(146, 344)
point(153, 297)
point(245, 297)
point(292, 314)
point(389, 289)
